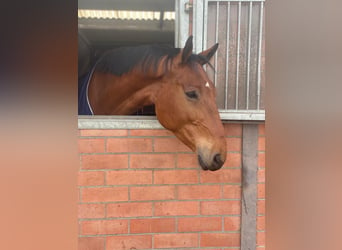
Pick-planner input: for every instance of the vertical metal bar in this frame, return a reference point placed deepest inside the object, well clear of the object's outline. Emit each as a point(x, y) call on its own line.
point(238, 58)
point(177, 19)
point(227, 56)
point(182, 24)
point(259, 51)
point(199, 25)
point(205, 25)
point(216, 40)
point(248, 52)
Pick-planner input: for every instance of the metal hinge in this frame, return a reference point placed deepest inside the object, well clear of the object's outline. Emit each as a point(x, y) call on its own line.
point(188, 7)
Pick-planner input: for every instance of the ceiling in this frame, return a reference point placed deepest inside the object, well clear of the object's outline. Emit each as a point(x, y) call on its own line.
point(108, 32)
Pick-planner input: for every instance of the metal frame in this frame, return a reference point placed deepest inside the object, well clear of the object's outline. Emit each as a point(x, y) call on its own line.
point(181, 23)
point(151, 122)
point(200, 34)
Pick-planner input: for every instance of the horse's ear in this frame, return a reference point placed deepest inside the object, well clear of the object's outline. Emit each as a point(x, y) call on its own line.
point(207, 54)
point(187, 51)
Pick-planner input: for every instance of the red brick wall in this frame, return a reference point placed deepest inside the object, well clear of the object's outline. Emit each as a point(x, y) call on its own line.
point(143, 189)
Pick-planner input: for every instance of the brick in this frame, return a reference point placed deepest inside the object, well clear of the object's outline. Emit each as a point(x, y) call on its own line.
point(152, 193)
point(91, 243)
point(153, 161)
point(234, 144)
point(233, 160)
point(104, 132)
point(91, 145)
point(169, 145)
point(262, 129)
point(93, 178)
point(198, 192)
point(104, 161)
point(261, 238)
point(220, 240)
point(261, 207)
point(231, 192)
point(220, 207)
point(175, 240)
point(187, 161)
point(175, 177)
point(153, 225)
point(95, 227)
point(221, 176)
point(104, 194)
point(199, 224)
point(232, 129)
point(131, 209)
point(261, 175)
point(261, 160)
point(129, 242)
point(261, 224)
point(129, 177)
point(175, 208)
point(261, 191)
point(232, 223)
point(91, 211)
point(129, 145)
point(150, 132)
point(261, 143)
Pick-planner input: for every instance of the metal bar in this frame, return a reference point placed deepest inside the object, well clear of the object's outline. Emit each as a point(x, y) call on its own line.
point(205, 24)
point(259, 52)
point(216, 40)
point(227, 56)
point(249, 186)
point(238, 59)
point(199, 25)
point(177, 25)
point(248, 52)
point(242, 115)
point(181, 23)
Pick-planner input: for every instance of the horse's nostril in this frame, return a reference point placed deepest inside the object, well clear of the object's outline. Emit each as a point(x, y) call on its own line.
point(217, 159)
point(202, 164)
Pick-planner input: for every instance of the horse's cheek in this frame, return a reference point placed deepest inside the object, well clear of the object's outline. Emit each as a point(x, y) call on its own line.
point(168, 115)
point(163, 116)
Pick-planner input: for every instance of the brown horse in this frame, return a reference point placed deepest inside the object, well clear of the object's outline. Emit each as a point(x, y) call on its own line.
point(172, 79)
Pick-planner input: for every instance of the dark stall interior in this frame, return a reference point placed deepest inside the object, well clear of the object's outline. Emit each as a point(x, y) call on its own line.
point(108, 24)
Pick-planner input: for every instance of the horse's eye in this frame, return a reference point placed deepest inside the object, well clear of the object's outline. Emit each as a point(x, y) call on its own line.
point(192, 94)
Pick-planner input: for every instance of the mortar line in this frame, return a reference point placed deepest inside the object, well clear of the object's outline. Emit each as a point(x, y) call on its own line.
point(163, 217)
point(153, 233)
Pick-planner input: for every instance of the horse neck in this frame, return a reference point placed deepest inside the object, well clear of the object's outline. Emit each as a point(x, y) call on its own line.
point(125, 94)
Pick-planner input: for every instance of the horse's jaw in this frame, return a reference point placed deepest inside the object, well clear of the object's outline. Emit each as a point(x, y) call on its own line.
point(211, 150)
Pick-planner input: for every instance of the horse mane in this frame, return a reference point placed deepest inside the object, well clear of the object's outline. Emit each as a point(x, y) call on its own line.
point(148, 57)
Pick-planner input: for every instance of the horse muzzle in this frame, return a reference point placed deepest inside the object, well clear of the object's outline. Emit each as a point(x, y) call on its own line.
point(211, 163)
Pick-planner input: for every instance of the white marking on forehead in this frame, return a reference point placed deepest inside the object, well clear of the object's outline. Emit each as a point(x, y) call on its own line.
point(207, 85)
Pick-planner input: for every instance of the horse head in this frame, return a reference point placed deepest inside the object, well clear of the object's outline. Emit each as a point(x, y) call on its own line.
point(186, 105)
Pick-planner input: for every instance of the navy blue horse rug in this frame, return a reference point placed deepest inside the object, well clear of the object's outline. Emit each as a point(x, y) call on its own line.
point(84, 107)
